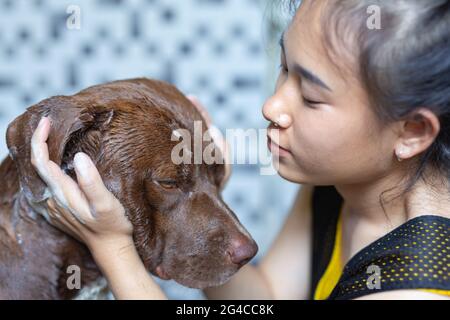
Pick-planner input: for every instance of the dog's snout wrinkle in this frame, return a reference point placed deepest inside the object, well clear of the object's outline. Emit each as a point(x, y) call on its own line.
point(206, 203)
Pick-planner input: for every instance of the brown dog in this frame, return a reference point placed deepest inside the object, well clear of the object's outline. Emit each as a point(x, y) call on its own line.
point(182, 228)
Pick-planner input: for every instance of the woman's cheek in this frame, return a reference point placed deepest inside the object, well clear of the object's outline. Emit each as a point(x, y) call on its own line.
point(316, 140)
point(307, 150)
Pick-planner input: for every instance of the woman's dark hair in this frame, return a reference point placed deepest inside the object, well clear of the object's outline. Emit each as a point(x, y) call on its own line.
point(404, 65)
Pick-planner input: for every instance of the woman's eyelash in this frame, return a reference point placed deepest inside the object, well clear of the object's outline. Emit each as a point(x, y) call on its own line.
point(310, 102)
point(306, 101)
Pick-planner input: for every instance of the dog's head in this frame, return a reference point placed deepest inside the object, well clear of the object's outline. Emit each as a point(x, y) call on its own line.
point(183, 230)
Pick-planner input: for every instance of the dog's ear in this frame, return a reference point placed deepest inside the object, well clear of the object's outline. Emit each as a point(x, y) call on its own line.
point(70, 120)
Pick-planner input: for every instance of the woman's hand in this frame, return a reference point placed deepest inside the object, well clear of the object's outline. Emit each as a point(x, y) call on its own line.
point(90, 213)
point(87, 210)
point(216, 136)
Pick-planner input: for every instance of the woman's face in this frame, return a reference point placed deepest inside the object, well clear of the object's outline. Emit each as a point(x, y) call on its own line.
point(328, 133)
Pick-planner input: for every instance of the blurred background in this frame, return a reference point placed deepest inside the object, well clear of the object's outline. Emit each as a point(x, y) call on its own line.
point(224, 51)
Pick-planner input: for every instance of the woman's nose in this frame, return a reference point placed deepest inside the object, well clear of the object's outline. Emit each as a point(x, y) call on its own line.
point(274, 110)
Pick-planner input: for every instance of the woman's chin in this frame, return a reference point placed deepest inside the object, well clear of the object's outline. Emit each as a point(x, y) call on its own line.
point(289, 172)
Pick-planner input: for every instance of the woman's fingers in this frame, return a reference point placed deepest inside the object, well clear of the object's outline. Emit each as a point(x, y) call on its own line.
point(39, 149)
point(86, 209)
point(200, 108)
point(46, 169)
point(58, 219)
point(65, 190)
point(106, 209)
point(91, 183)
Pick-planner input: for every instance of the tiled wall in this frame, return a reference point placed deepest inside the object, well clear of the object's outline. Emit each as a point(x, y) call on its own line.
point(220, 50)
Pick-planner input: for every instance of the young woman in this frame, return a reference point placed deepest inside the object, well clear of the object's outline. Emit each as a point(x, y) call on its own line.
point(363, 115)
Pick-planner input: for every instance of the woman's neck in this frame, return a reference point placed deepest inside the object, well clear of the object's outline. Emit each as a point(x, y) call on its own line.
point(367, 202)
point(364, 220)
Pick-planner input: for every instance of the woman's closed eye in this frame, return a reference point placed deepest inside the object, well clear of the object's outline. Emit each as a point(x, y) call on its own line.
point(310, 103)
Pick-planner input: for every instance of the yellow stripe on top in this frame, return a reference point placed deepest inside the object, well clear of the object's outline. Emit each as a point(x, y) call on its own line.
point(334, 269)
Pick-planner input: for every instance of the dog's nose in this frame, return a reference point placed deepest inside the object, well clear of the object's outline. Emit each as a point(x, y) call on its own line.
point(242, 249)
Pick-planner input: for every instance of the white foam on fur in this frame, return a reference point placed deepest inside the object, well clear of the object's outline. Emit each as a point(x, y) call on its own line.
point(98, 290)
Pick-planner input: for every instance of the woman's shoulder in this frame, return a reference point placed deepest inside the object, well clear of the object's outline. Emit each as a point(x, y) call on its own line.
point(416, 255)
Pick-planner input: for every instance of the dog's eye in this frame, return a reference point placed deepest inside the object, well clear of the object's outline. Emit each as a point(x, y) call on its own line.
point(168, 184)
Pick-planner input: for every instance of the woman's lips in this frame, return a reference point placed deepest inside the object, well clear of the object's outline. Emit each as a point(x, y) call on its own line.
point(276, 149)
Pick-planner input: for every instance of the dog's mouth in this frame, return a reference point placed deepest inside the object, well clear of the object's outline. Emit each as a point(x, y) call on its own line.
point(197, 278)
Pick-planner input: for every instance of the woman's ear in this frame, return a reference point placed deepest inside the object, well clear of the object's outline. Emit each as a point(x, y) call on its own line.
point(68, 121)
point(418, 133)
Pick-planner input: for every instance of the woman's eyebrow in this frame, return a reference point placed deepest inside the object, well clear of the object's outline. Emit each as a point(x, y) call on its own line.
point(303, 72)
point(309, 76)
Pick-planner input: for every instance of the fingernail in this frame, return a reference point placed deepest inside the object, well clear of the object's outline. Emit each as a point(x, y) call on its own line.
point(41, 122)
point(82, 164)
point(192, 97)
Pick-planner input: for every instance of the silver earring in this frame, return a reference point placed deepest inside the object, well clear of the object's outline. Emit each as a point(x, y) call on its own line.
point(398, 155)
point(275, 124)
